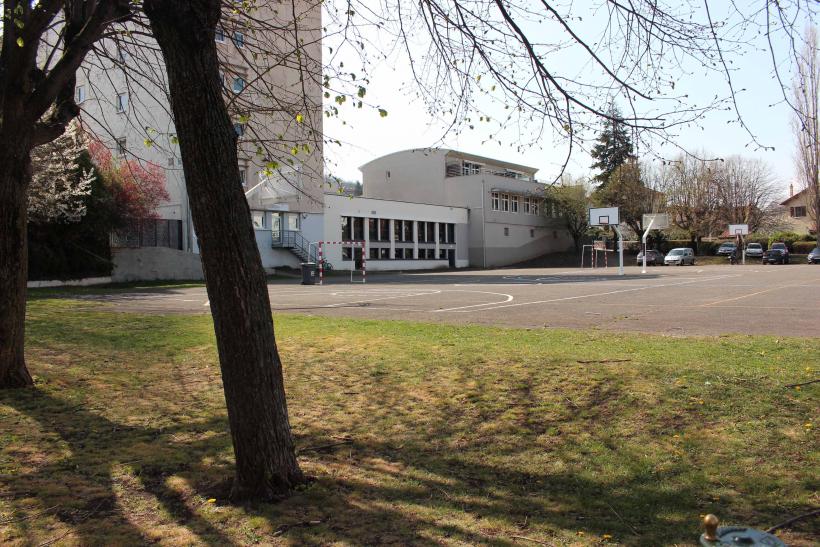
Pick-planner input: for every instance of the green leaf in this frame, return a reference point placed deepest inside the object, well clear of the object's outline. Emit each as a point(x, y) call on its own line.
point(244, 118)
point(361, 92)
point(19, 42)
point(382, 112)
point(19, 23)
point(148, 143)
point(299, 118)
point(174, 139)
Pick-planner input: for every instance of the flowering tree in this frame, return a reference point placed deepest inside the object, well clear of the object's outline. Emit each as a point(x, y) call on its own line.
point(59, 186)
point(136, 189)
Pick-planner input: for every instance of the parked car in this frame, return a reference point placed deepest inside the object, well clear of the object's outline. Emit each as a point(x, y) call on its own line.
point(754, 250)
point(680, 257)
point(775, 256)
point(780, 246)
point(653, 257)
point(814, 256)
point(726, 248)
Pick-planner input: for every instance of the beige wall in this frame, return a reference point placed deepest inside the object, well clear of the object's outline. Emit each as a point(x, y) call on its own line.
point(419, 175)
point(804, 224)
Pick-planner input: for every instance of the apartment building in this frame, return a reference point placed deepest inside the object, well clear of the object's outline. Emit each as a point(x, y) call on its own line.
point(507, 222)
point(271, 76)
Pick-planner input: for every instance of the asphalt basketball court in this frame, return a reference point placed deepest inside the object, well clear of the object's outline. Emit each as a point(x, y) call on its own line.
point(702, 300)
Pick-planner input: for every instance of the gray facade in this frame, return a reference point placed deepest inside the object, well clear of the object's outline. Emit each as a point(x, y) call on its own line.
point(507, 221)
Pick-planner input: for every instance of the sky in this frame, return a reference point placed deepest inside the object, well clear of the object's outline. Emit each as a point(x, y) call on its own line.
point(365, 135)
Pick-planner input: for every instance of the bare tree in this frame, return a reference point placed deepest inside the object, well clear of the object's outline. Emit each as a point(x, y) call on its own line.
point(806, 103)
point(691, 196)
point(571, 200)
point(36, 102)
point(745, 192)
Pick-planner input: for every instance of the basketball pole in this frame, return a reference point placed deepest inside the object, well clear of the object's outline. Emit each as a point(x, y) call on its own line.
point(620, 249)
point(643, 242)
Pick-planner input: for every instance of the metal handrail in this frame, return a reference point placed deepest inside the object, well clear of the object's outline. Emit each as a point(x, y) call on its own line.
point(293, 239)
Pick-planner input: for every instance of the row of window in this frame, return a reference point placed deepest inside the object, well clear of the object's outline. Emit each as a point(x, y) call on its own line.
point(400, 253)
point(378, 229)
point(510, 203)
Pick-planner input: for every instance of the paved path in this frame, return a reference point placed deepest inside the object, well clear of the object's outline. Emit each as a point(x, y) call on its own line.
point(779, 300)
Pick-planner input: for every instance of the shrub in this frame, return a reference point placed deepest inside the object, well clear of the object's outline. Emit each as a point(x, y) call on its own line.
point(803, 247)
point(786, 237)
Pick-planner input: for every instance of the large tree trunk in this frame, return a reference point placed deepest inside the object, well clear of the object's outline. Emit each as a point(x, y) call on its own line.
point(266, 464)
point(15, 173)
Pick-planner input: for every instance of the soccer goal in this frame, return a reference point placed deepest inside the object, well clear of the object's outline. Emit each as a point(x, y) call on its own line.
point(358, 259)
point(596, 259)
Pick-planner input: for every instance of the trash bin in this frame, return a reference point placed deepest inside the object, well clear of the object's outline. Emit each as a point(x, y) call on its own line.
point(308, 273)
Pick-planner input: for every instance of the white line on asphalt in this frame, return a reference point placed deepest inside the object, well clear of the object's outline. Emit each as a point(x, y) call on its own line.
point(508, 299)
point(579, 297)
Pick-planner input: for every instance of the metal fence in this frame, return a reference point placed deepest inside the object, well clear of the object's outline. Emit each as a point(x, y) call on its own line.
point(149, 232)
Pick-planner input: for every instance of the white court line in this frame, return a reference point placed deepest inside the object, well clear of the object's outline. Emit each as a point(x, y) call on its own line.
point(509, 299)
point(579, 297)
point(374, 300)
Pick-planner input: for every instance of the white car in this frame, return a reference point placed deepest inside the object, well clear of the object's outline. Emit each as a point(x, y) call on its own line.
point(680, 257)
point(754, 250)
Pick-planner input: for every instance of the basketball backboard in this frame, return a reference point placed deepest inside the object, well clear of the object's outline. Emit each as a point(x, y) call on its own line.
point(738, 229)
point(603, 216)
point(659, 221)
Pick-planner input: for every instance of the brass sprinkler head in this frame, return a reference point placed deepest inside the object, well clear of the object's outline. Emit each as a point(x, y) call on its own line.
point(710, 523)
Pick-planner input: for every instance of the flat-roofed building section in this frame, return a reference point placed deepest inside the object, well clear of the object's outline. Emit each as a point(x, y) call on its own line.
point(508, 219)
point(398, 235)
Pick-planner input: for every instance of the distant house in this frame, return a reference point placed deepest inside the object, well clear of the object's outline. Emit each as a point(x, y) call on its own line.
point(797, 212)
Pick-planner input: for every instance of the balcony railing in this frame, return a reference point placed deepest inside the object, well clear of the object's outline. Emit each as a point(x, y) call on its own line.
point(457, 170)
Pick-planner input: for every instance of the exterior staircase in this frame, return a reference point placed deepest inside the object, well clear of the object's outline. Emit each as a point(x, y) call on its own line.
point(296, 243)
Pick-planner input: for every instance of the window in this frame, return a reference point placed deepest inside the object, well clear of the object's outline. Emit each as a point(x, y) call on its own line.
point(238, 39)
point(384, 229)
point(534, 206)
point(121, 146)
point(243, 176)
point(346, 229)
point(506, 231)
point(358, 228)
point(798, 212)
point(238, 84)
point(384, 253)
point(451, 233)
point(374, 253)
point(526, 205)
point(408, 231)
point(431, 232)
point(471, 168)
point(80, 95)
point(258, 220)
point(122, 102)
point(553, 210)
point(442, 254)
point(431, 254)
point(532, 232)
point(239, 129)
point(494, 201)
point(219, 35)
point(347, 253)
point(422, 232)
point(505, 202)
point(513, 204)
point(399, 254)
point(293, 222)
point(373, 229)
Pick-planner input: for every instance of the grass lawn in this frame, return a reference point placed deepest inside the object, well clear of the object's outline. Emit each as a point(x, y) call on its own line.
point(438, 435)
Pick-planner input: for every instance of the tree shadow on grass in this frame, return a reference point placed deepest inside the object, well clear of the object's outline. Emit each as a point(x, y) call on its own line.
point(81, 490)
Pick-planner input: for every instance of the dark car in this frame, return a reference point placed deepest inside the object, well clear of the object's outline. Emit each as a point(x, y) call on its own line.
point(814, 256)
point(653, 257)
point(726, 248)
point(775, 256)
point(780, 246)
